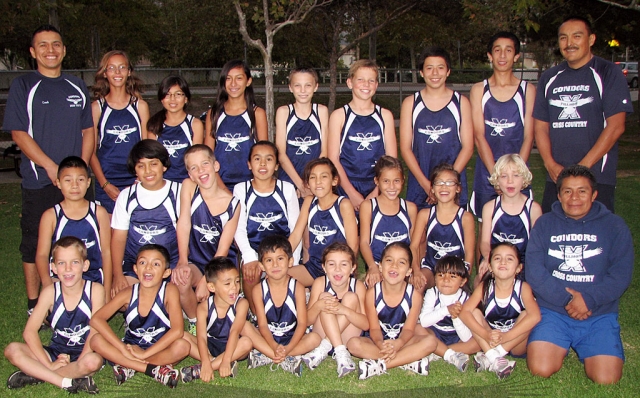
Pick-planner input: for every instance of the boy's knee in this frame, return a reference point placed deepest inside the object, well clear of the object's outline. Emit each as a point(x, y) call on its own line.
point(608, 377)
point(90, 363)
point(11, 351)
point(542, 368)
point(181, 347)
point(354, 344)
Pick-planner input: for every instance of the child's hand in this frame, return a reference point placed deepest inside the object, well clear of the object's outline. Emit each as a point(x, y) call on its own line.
point(119, 283)
point(206, 372)
point(495, 338)
point(418, 280)
point(60, 362)
point(330, 305)
point(202, 292)
point(280, 353)
point(251, 271)
point(482, 268)
point(112, 191)
point(454, 309)
point(225, 369)
point(373, 276)
point(136, 352)
point(356, 201)
point(388, 351)
point(181, 274)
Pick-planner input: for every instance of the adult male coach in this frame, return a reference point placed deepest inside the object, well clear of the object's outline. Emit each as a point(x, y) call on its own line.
point(580, 112)
point(49, 116)
point(579, 263)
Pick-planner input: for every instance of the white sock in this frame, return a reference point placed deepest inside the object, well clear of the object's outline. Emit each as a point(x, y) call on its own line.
point(448, 354)
point(492, 355)
point(500, 349)
point(66, 382)
point(341, 347)
point(192, 320)
point(326, 346)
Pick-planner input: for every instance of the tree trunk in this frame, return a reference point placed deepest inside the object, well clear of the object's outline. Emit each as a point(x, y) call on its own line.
point(412, 54)
point(333, 81)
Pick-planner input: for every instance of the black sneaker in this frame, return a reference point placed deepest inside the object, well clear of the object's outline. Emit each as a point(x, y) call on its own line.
point(20, 379)
point(85, 384)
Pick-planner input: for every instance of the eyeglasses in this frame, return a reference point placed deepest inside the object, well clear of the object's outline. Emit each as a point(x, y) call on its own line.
point(178, 95)
point(441, 183)
point(113, 68)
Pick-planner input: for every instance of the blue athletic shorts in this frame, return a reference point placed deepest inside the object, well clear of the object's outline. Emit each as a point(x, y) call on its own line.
point(53, 354)
point(216, 347)
point(447, 338)
point(599, 335)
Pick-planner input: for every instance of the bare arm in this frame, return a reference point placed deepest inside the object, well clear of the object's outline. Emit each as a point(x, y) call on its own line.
point(281, 142)
point(43, 251)
point(373, 272)
point(118, 242)
point(466, 136)
point(32, 150)
point(296, 235)
point(105, 245)
point(209, 139)
point(484, 150)
point(469, 229)
point(30, 334)
point(531, 317)
point(527, 143)
point(466, 315)
point(88, 143)
point(336, 122)
point(543, 142)
point(406, 143)
point(176, 330)
point(301, 323)
point(390, 142)
point(228, 232)
point(350, 225)
point(183, 227)
point(143, 112)
point(323, 114)
point(262, 132)
point(198, 131)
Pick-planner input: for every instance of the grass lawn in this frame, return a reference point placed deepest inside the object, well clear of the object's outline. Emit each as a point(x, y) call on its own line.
point(443, 380)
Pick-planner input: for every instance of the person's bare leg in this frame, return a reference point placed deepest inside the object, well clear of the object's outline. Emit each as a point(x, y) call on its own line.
point(300, 273)
point(544, 358)
point(31, 280)
point(603, 369)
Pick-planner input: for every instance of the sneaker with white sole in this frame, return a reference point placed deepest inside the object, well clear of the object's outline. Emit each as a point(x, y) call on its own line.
point(434, 357)
point(85, 384)
point(420, 366)
point(166, 375)
point(344, 361)
point(234, 369)
point(481, 362)
point(371, 367)
point(290, 364)
point(256, 359)
point(313, 358)
point(19, 379)
point(122, 374)
point(502, 367)
point(190, 373)
point(460, 360)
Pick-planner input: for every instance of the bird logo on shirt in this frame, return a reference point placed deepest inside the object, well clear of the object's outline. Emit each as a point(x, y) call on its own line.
point(74, 336)
point(498, 126)
point(74, 101)
point(434, 133)
point(148, 233)
point(173, 147)
point(122, 132)
point(572, 257)
point(303, 144)
point(511, 238)
point(570, 104)
point(280, 329)
point(147, 336)
point(391, 331)
point(442, 249)
point(365, 140)
point(233, 141)
point(390, 237)
point(321, 232)
point(265, 220)
point(208, 233)
point(88, 244)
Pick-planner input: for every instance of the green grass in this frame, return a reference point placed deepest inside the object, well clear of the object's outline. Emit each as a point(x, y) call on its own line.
point(444, 380)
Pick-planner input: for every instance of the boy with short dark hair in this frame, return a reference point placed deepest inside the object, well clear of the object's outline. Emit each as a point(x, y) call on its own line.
point(153, 318)
point(68, 361)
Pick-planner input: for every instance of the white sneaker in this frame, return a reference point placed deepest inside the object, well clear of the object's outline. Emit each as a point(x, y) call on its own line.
point(434, 357)
point(460, 360)
point(345, 363)
point(371, 367)
point(420, 366)
point(291, 365)
point(256, 359)
point(313, 358)
point(481, 362)
point(502, 367)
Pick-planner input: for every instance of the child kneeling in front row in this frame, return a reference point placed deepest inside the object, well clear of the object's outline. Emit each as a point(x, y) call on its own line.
point(153, 318)
point(392, 307)
point(67, 362)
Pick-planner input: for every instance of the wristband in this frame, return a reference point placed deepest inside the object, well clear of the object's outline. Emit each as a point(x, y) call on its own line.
point(105, 184)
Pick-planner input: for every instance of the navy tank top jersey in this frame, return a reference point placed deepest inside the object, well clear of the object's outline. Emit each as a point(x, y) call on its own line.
point(281, 320)
point(145, 331)
point(118, 131)
point(513, 229)
point(70, 327)
point(392, 319)
point(387, 229)
point(233, 145)
point(503, 129)
point(267, 214)
point(445, 325)
point(443, 240)
point(218, 328)
point(206, 230)
point(362, 143)
point(177, 139)
point(325, 227)
point(436, 140)
point(329, 289)
point(303, 140)
point(504, 318)
point(87, 229)
point(157, 225)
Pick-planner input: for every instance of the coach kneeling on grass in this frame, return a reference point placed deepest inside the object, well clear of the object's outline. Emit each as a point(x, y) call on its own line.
point(579, 263)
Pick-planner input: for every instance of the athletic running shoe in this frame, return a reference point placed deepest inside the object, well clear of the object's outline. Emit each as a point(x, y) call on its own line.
point(502, 367)
point(122, 374)
point(256, 359)
point(481, 362)
point(234, 369)
point(19, 379)
point(315, 357)
point(166, 375)
point(291, 365)
point(420, 366)
point(371, 367)
point(190, 373)
point(434, 357)
point(85, 384)
point(460, 360)
point(345, 363)
point(192, 328)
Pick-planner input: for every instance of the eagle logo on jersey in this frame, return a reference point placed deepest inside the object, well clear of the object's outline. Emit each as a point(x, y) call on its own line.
point(442, 249)
point(499, 125)
point(434, 133)
point(280, 329)
point(321, 232)
point(265, 220)
point(303, 144)
point(173, 147)
point(148, 233)
point(392, 331)
point(148, 336)
point(233, 141)
point(88, 244)
point(511, 238)
point(390, 237)
point(573, 256)
point(365, 140)
point(74, 100)
point(74, 336)
point(208, 233)
point(122, 132)
point(570, 103)
point(503, 326)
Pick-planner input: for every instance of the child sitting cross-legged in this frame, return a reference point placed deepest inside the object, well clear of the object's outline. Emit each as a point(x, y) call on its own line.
point(67, 362)
point(153, 323)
